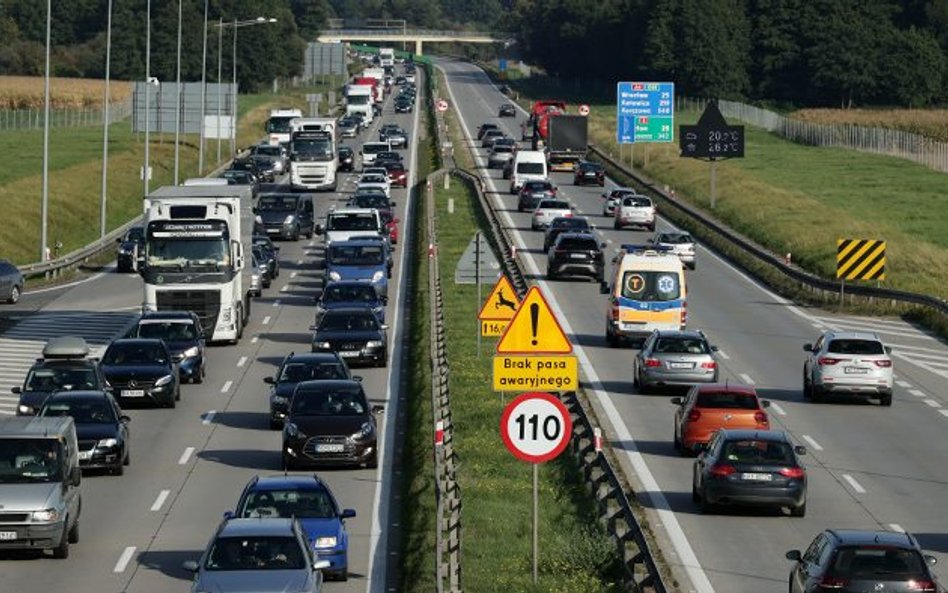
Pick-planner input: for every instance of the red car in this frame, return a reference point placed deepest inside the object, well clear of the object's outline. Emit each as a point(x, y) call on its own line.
point(391, 225)
point(397, 174)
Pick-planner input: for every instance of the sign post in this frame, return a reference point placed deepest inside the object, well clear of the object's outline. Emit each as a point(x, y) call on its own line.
point(536, 427)
point(499, 308)
point(712, 139)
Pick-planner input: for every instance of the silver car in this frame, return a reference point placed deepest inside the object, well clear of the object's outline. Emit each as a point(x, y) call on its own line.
point(681, 244)
point(855, 363)
point(260, 555)
point(499, 155)
point(675, 358)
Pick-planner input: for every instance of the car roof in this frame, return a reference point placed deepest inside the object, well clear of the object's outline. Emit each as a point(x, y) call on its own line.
point(860, 536)
point(681, 333)
point(757, 435)
point(257, 527)
point(727, 387)
point(852, 335)
point(312, 357)
point(85, 394)
point(160, 315)
point(134, 341)
point(283, 482)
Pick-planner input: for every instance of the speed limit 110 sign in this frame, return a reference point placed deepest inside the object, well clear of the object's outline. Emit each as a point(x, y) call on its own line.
point(536, 427)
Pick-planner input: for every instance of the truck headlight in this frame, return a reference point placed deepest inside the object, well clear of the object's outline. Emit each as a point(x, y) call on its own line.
point(47, 516)
point(335, 276)
point(226, 314)
point(166, 380)
point(289, 219)
point(324, 542)
point(107, 443)
point(378, 276)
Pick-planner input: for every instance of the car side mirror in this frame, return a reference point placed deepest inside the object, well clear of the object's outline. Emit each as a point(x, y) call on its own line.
point(348, 514)
point(799, 450)
point(190, 565)
point(793, 555)
point(676, 400)
point(125, 419)
point(714, 348)
point(16, 389)
point(378, 409)
point(228, 515)
point(269, 380)
point(603, 288)
point(808, 347)
point(764, 403)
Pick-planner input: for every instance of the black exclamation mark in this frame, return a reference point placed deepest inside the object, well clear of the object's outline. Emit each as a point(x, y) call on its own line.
point(534, 319)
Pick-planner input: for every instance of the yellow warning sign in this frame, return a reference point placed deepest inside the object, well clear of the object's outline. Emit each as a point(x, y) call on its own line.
point(501, 303)
point(529, 373)
point(492, 328)
point(534, 329)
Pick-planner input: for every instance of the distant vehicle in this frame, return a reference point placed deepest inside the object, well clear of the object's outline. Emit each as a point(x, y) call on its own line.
point(101, 428)
point(65, 366)
point(394, 135)
point(266, 167)
point(372, 181)
point(589, 172)
point(278, 125)
point(850, 363)
point(612, 199)
point(397, 174)
point(129, 246)
point(507, 110)
point(565, 224)
point(11, 282)
point(370, 150)
point(249, 165)
point(499, 155)
point(355, 333)
point(528, 165)
point(565, 140)
point(259, 273)
point(675, 358)
point(343, 223)
point(271, 253)
point(287, 215)
point(359, 260)
point(505, 89)
point(487, 140)
point(296, 368)
point(575, 254)
point(243, 178)
point(351, 293)
point(635, 211)
point(681, 244)
point(346, 159)
point(712, 406)
point(547, 209)
point(142, 369)
point(182, 333)
point(348, 127)
point(533, 192)
point(276, 152)
point(484, 127)
point(404, 104)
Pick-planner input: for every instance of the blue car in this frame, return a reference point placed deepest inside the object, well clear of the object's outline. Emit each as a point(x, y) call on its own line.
point(350, 293)
point(361, 260)
point(309, 500)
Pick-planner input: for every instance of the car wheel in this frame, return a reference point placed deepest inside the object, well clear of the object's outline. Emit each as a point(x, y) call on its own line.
point(799, 511)
point(704, 506)
point(14, 294)
point(275, 424)
point(550, 274)
point(73, 535)
point(343, 575)
point(177, 394)
point(886, 400)
point(676, 442)
point(373, 461)
point(128, 457)
point(816, 394)
point(296, 234)
point(616, 225)
point(695, 497)
point(807, 389)
point(171, 403)
point(118, 469)
point(61, 551)
point(611, 340)
point(691, 266)
point(199, 378)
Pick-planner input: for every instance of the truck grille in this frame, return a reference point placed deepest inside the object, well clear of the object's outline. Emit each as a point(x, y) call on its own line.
point(205, 303)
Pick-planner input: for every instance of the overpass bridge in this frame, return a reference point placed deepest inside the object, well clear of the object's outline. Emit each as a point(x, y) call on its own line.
point(416, 36)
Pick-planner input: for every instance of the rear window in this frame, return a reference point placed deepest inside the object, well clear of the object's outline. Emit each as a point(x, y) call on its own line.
point(503, 148)
point(758, 452)
point(855, 347)
point(374, 148)
point(873, 562)
point(675, 238)
point(727, 401)
point(536, 185)
point(578, 244)
point(637, 202)
point(531, 168)
point(681, 346)
point(554, 205)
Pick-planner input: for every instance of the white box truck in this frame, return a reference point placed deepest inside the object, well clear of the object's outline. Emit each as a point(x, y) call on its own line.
point(313, 160)
point(360, 99)
point(278, 125)
point(386, 57)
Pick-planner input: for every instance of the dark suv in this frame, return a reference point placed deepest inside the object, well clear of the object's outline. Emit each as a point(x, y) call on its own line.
point(65, 366)
point(575, 254)
point(184, 336)
point(295, 368)
point(848, 561)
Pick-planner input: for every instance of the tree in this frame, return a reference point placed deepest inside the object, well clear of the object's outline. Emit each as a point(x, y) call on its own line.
point(659, 49)
point(915, 69)
point(712, 59)
point(778, 68)
point(311, 17)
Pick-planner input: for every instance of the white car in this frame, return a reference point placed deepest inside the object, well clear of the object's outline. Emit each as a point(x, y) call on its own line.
point(547, 210)
point(635, 211)
point(375, 171)
point(376, 182)
point(612, 199)
point(854, 363)
point(681, 244)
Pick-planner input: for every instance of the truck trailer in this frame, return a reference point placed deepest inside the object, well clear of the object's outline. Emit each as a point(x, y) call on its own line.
point(566, 137)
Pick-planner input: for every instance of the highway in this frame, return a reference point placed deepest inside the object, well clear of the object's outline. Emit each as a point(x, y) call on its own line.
point(869, 466)
point(190, 464)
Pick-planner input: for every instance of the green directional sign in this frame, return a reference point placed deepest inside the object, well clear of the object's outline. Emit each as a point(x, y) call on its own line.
point(653, 129)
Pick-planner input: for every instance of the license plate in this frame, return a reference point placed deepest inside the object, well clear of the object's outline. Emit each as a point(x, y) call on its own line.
point(855, 371)
point(680, 365)
point(757, 477)
point(133, 393)
point(578, 255)
point(85, 455)
point(332, 448)
point(7, 535)
point(349, 353)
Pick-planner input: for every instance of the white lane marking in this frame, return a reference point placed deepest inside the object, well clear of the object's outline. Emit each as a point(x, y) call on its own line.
point(854, 484)
point(276, 303)
point(917, 393)
point(254, 339)
point(266, 320)
point(943, 412)
point(70, 285)
point(209, 417)
point(812, 442)
point(932, 403)
point(776, 408)
point(896, 527)
point(299, 262)
point(124, 559)
point(285, 288)
point(242, 361)
point(185, 456)
point(746, 378)
point(724, 355)
point(903, 384)
point(160, 501)
point(311, 243)
point(293, 275)
point(227, 385)
point(817, 325)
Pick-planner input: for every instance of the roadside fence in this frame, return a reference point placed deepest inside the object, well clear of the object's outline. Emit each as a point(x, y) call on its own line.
point(70, 117)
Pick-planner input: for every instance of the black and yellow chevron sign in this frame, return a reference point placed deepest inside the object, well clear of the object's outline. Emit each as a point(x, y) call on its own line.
point(860, 259)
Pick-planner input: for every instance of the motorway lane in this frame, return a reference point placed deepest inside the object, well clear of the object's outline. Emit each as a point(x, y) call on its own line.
point(190, 464)
point(868, 466)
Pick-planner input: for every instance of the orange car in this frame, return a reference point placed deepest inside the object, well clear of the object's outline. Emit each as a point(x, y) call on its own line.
point(712, 406)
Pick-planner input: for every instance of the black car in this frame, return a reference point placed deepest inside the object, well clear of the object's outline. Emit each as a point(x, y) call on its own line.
point(266, 167)
point(242, 178)
point(270, 253)
point(184, 336)
point(563, 224)
point(387, 156)
point(65, 366)
point(296, 368)
point(351, 293)
point(287, 215)
point(507, 110)
point(589, 172)
point(355, 333)
point(346, 159)
point(404, 105)
point(750, 467)
point(533, 192)
point(141, 369)
point(130, 245)
point(330, 422)
point(850, 561)
point(248, 165)
point(101, 428)
point(575, 254)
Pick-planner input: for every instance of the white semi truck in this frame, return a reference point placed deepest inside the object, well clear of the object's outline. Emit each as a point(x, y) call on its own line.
point(360, 99)
point(386, 57)
point(278, 126)
point(313, 160)
point(197, 255)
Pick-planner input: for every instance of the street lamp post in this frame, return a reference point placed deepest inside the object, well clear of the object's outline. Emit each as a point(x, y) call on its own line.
point(203, 94)
point(45, 199)
point(177, 111)
point(220, 59)
point(105, 123)
point(147, 96)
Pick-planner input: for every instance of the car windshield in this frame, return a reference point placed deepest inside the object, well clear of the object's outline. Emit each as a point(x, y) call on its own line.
point(349, 322)
point(135, 353)
point(863, 347)
point(277, 203)
point(347, 401)
point(873, 562)
point(267, 150)
point(256, 553)
point(681, 346)
point(302, 504)
point(374, 148)
point(55, 378)
point(345, 152)
point(727, 401)
point(372, 178)
point(24, 460)
point(373, 200)
point(280, 124)
point(675, 238)
point(502, 148)
point(577, 244)
point(83, 411)
point(586, 167)
point(352, 222)
point(171, 331)
point(650, 286)
point(356, 255)
point(758, 452)
point(537, 186)
point(295, 372)
point(348, 293)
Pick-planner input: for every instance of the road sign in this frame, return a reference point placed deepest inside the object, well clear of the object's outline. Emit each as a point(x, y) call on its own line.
point(498, 309)
point(554, 373)
point(441, 105)
point(502, 64)
point(534, 329)
point(584, 109)
point(477, 264)
point(711, 138)
point(646, 112)
point(536, 427)
point(860, 259)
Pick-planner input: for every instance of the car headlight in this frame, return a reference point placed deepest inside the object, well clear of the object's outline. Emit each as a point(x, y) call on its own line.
point(294, 431)
point(289, 219)
point(335, 276)
point(279, 399)
point(365, 431)
point(107, 443)
point(47, 516)
point(374, 344)
point(378, 276)
point(322, 345)
point(23, 409)
point(166, 380)
point(124, 251)
point(324, 542)
point(190, 352)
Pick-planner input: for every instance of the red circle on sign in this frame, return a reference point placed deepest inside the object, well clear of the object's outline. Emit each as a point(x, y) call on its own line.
point(442, 105)
point(551, 448)
point(584, 109)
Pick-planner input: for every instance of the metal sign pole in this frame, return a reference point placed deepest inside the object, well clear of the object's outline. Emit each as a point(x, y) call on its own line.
point(477, 279)
point(536, 518)
point(713, 182)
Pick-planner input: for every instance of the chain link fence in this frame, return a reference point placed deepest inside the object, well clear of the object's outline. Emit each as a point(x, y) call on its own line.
point(71, 117)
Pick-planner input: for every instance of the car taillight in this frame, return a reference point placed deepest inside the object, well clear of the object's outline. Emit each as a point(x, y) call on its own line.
point(709, 365)
point(921, 585)
point(722, 470)
point(760, 418)
point(684, 313)
point(694, 415)
point(833, 583)
point(827, 361)
point(615, 313)
point(653, 362)
point(568, 215)
point(883, 364)
point(794, 473)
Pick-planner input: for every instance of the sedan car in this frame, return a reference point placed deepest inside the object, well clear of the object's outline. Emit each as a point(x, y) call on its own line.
point(140, 369)
point(182, 333)
point(612, 199)
point(850, 363)
point(330, 422)
point(547, 210)
point(346, 159)
point(575, 254)
point(126, 254)
point(270, 252)
point(355, 333)
point(260, 272)
point(397, 174)
point(404, 105)
point(589, 172)
point(267, 167)
point(532, 192)
point(484, 127)
point(296, 368)
point(394, 135)
point(310, 500)
point(507, 110)
point(487, 140)
point(681, 244)
point(101, 428)
point(750, 467)
point(710, 407)
point(565, 224)
point(261, 555)
point(348, 127)
point(370, 181)
point(499, 155)
point(675, 358)
point(351, 293)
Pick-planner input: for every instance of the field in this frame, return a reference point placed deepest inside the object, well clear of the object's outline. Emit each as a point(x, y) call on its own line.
point(927, 122)
point(26, 92)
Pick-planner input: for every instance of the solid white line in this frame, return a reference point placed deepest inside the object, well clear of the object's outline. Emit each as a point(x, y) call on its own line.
point(70, 285)
point(242, 361)
point(293, 275)
point(266, 320)
point(160, 501)
point(746, 378)
point(209, 417)
point(124, 559)
point(227, 385)
point(903, 384)
point(855, 485)
point(776, 408)
point(276, 303)
point(812, 442)
point(185, 456)
point(723, 355)
point(943, 412)
point(896, 527)
point(932, 403)
point(917, 393)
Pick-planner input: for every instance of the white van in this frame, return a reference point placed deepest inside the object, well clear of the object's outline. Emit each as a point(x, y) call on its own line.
point(371, 149)
point(527, 166)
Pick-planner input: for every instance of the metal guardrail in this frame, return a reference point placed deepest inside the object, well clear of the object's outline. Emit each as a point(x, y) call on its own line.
point(73, 259)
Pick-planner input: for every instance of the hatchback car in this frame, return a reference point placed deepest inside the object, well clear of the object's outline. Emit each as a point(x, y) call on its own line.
point(330, 422)
point(271, 253)
point(635, 211)
point(675, 358)
point(851, 363)
point(750, 467)
point(359, 260)
point(140, 369)
point(532, 192)
point(575, 254)
point(482, 129)
point(129, 246)
point(565, 224)
point(589, 172)
point(260, 555)
point(348, 127)
point(547, 210)
point(184, 336)
point(101, 428)
point(487, 140)
point(507, 110)
point(311, 502)
point(681, 244)
point(355, 333)
point(296, 368)
point(851, 561)
point(710, 407)
point(499, 155)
